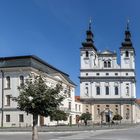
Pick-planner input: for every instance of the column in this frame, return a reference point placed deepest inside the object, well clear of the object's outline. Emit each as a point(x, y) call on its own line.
point(121, 110)
point(92, 111)
point(90, 89)
point(134, 113)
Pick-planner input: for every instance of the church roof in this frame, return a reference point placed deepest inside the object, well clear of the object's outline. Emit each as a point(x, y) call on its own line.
point(107, 53)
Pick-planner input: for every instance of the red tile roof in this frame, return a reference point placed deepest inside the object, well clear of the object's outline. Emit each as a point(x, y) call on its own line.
point(138, 101)
point(77, 98)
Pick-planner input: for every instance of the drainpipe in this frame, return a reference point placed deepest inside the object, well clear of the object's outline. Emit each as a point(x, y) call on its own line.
point(2, 99)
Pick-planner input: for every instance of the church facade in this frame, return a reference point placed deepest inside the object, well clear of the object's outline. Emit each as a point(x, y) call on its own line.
point(107, 87)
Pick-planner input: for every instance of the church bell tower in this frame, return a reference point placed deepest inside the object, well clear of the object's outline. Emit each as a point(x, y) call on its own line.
point(127, 51)
point(88, 51)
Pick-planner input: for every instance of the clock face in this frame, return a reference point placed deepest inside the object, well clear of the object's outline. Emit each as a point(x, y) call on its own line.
point(126, 61)
point(86, 61)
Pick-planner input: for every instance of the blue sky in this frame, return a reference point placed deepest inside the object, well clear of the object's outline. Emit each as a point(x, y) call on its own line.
point(54, 29)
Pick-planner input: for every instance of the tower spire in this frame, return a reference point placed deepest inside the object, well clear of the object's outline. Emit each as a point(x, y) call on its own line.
point(127, 40)
point(89, 43)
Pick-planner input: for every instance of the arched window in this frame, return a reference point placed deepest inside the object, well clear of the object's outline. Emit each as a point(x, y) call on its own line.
point(107, 90)
point(21, 80)
point(116, 91)
point(109, 64)
point(87, 54)
point(86, 91)
point(97, 90)
point(127, 90)
point(127, 113)
point(8, 82)
point(126, 54)
point(105, 64)
point(98, 111)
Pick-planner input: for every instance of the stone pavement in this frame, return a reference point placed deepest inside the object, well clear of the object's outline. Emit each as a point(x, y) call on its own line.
point(68, 128)
point(129, 133)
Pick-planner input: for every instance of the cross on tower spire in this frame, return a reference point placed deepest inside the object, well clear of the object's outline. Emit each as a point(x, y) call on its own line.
point(90, 21)
point(127, 27)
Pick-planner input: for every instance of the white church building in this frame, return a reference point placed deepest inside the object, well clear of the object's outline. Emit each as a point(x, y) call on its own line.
point(106, 86)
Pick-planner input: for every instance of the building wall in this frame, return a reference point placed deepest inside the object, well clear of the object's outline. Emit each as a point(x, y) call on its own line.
point(51, 80)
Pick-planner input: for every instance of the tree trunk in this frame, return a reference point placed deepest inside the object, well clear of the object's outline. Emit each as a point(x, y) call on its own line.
point(34, 129)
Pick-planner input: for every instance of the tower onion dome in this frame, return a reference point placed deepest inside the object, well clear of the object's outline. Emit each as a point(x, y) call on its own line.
point(127, 44)
point(89, 43)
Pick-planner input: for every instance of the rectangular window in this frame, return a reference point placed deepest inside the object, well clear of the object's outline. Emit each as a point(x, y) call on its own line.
point(7, 100)
point(76, 107)
point(21, 118)
point(79, 108)
point(21, 80)
point(116, 91)
point(97, 90)
point(7, 118)
point(69, 107)
point(69, 92)
point(8, 82)
point(107, 90)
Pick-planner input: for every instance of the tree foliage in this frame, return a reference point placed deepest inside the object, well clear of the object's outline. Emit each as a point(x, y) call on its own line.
point(85, 116)
point(37, 98)
point(59, 115)
point(117, 117)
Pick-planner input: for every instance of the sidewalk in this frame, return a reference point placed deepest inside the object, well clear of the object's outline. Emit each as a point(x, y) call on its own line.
point(68, 128)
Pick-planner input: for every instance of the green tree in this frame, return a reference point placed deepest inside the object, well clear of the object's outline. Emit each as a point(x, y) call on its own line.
point(37, 98)
point(85, 117)
point(58, 115)
point(117, 118)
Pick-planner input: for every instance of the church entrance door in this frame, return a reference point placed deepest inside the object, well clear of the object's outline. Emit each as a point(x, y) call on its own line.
point(107, 118)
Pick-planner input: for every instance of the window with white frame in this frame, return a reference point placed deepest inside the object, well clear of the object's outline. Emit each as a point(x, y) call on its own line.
point(7, 118)
point(69, 105)
point(107, 64)
point(107, 90)
point(127, 89)
point(21, 80)
point(8, 82)
point(97, 90)
point(75, 107)
point(116, 90)
point(21, 118)
point(126, 54)
point(87, 54)
point(79, 107)
point(86, 91)
point(8, 100)
point(127, 113)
